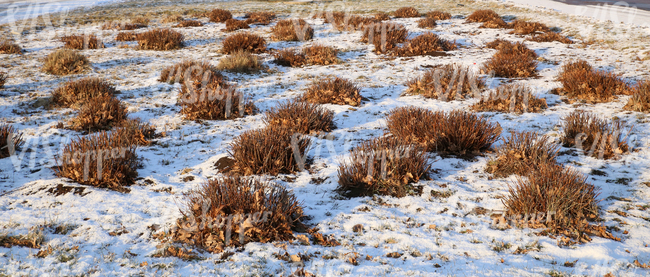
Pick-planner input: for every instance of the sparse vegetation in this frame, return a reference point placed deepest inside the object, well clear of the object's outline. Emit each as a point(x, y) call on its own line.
point(76, 93)
point(321, 55)
point(521, 153)
point(189, 23)
point(9, 47)
point(240, 61)
point(594, 135)
point(406, 12)
point(438, 15)
point(160, 39)
point(427, 23)
point(122, 26)
point(522, 27)
point(550, 37)
point(511, 98)
point(456, 132)
point(262, 18)
point(333, 91)
point(272, 150)
point(381, 16)
point(244, 42)
point(234, 25)
point(447, 83)
point(178, 72)
point(126, 36)
point(10, 140)
point(384, 166)
point(512, 61)
point(425, 44)
point(301, 117)
point(289, 57)
point(65, 62)
point(173, 18)
point(81, 42)
point(98, 114)
point(260, 212)
point(3, 78)
point(219, 15)
point(640, 100)
point(582, 82)
point(489, 18)
point(292, 30)
point(384, 36)
point(204, 97)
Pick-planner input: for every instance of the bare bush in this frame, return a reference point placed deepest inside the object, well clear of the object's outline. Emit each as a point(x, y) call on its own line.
point(522, 153)
point(244, 42)
point(511, 98)
point(582, 82)
point(65, 62)
point(219, 15)
point(593, 135)
point(333, 91)
point(292, 30)
point(640, 100)
point(301, 117)
point(447, 83)
point(160, 39)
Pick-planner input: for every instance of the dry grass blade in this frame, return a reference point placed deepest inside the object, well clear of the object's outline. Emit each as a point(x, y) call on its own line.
point(385, 166)
point(98, 114)
point(593, 135)
point(406, 12)
point(301, 117)
point(522, 153)
point(582, 82)
point(640, 100)
point(245, 42)
point(160, 39)
point(511, 98)
point(273, 150)
point(292, 30)
point(65, 62)
point(10, 140)
point(333, 91)
point(75, 93)
point(447, 83)
point(219, 15)
point(255, 211)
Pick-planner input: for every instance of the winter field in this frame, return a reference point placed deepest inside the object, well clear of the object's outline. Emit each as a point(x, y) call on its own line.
point(54, 226)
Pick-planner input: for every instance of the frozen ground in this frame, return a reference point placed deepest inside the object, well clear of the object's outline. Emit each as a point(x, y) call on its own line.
point(436, 236)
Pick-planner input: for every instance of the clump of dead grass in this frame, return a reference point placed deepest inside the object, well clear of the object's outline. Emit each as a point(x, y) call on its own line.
point(234, 25)
point(594, 136)
point(9, 47)
point(65, 62)
point(489, 18)
point(219, 15)
point(447, 83)
point(427, 23)
point(333, 91)
point(521, 27)
point(381, 16)
point(204, 96)
point(233, 211)
point(3, 78)
point(141, 20)
point(272, 150)
point(425, 44)
point(384, 166)
point(550, 37)
point(438, 15)
point(76, 93)
point(189, 23)
point(511, 98)
point(292, 30)
point(406, 12)
point(184, 69)
point(640, 100)
point(582, 82)
point(173, 18)
point(289, 57)
point(99, 114)
point(240, 61)
point(384, 36)
point(160, 39)
point(126, 36)
point(10, 140)
point(522, 153)
point(301, 117)
point(512, 61)
point(122, 26)
point(81, 42)
point(103, 160)
point(508, 47)
point(456, 132)
point(244, 42)
point(261, 18)
point(321, 54)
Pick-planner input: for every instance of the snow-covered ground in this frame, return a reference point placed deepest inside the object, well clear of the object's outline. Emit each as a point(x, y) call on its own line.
point(435, 236)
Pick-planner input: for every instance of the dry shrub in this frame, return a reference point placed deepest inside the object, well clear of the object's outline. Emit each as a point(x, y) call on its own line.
point(456, 132)
point(640, 100)
point(593, 135)
point(385, 166)
point(512, 61)
point(126, 36)
point(10, 140)
point(321, 55)
point(272, 150)
point(427, 23)
point(425, 44)
point(103, 160)
point(506, 46)
point(262, 18)
point(160, 39)
point(240, 61)
point(122, 26)
point(289, 57)
point(178, 72)
point(511, 98)
point(522, 27)
point(301, 117)
point(99, 114)
point(550, 37)
point(173, 18)
point(333, 91)
point(136, 132)
point(381, 16)
point(489, 18)
point(438, 15)
point(292, 30)
point(81, 42)
point(353, 22)
point(189, 23)
point(219, 15)
point(140, 20)
point(233, 211)
point(3, 78)
point(385, 36)
point(406, 12)
point(581, 81)
point(9, 47)
point(521, 153)
point(564, 200)
point(447, 83)
point(76, 93)
point(65, 62)
point(245, 42)
point(204, 96)
point(234, 25)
